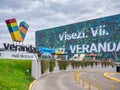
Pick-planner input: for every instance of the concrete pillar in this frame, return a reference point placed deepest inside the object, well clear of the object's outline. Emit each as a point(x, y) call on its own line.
point(36, 69)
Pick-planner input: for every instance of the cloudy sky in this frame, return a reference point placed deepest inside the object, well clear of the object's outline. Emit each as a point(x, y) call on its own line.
point(43, 14)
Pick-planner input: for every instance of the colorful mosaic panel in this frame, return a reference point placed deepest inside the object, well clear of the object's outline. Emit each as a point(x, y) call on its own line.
point(14, 30)
point(17, 33)
point(23, 27)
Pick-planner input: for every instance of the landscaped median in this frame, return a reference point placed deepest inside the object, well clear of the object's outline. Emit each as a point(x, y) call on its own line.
point(107, 75)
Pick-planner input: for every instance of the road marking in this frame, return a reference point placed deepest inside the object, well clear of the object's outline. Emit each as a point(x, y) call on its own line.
point(30, 87)
point(107, 75)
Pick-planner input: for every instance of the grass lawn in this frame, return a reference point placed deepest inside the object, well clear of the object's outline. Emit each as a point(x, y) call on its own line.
point(15, 74)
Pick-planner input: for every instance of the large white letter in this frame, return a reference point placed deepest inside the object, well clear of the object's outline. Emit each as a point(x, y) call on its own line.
point(118, 47)
point(94, 32)
point(109, 45)
point(74, 35)
point(101, 47)
point(93, 48)
point(61, 36)
point(79, 49)
point(72, 49)
point(85, 48)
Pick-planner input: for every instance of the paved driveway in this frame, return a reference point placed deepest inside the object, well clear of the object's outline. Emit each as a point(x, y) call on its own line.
point(65, 81)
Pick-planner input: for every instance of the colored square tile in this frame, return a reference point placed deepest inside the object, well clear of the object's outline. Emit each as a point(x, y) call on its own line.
point(16, 36)
point(23, 30)
point(13, 29)
point(24, 24)
point(23, 35)
point(12, 36)
point(10, 21)
point(12, 24)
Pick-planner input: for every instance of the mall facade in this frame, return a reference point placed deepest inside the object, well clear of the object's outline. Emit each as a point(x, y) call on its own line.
point(98, 36)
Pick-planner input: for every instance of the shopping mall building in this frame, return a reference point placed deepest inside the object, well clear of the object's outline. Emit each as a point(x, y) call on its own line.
point(98, 36)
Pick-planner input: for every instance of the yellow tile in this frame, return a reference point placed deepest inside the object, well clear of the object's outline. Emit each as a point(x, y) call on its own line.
point(13, 24)
point(12, 36)
point(16, 36)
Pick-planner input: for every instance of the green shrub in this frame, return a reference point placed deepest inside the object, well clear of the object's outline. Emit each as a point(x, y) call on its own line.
point(73, 64)
point(44, 66)
point(107, 63)
point(91, 64)
point(51, 65)
point(111, 64)
point(47, 65)
point(63, 64)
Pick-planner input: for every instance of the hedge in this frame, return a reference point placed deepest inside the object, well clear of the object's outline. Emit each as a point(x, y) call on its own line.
point(44, 66)
point(63, 64)
point(51, 65)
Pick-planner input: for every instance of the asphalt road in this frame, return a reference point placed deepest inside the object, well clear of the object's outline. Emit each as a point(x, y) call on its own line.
point(66, 81)
point(115, 76)
point(105, 84)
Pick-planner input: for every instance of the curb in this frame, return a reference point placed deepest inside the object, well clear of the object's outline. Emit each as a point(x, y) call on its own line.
point(106, 74)
point(30, 86)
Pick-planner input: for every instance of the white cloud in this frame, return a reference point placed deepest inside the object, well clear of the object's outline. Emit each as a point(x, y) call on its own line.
point(42, 14)
point(19, 7)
